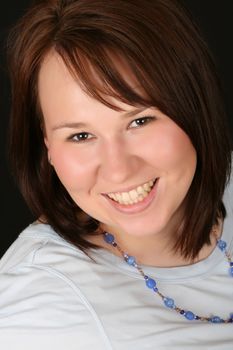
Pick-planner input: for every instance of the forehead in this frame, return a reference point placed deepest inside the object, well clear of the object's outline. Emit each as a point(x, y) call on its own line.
point(52, 72)
point(58, 81)
point(61, 93)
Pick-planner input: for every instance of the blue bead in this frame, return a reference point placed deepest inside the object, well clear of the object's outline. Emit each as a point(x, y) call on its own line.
point(231, 263)
point(169, 302)
point(231, 271)
point(155, 289)
point(216, 319)
point(189, 315)
point(130, 260)
point(221, 244)
point(109, 238)
point(150, 283)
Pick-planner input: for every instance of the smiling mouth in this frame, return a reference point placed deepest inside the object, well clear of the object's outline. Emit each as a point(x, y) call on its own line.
point(138, 194)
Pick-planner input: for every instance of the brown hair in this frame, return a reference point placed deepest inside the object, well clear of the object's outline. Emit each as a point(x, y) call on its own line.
point(167, 55)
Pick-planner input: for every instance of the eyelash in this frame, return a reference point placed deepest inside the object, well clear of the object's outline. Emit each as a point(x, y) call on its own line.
point(146, 119)
point(83, 136)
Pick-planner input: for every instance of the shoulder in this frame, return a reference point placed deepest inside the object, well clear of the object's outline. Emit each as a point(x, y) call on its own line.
point(228, 221)
point(38, 283)
point(38, 245)
point(228, 194)
point(25, 246)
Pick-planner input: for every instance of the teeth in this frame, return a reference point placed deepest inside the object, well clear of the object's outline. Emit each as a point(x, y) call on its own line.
point(118, 197)
point(140, 190)
point(134, 196)
point(125, 197)
point(147, 187)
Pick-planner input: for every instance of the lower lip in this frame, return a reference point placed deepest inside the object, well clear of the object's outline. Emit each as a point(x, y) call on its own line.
point(137, 207)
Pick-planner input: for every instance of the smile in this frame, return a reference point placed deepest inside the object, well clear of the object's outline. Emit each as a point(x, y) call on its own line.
point(136, 195)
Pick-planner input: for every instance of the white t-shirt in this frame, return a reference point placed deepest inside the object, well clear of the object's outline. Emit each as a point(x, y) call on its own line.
point(52, 296)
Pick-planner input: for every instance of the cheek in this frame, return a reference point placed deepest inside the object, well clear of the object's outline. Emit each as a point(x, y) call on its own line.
point(73, 171)
point(172, 147)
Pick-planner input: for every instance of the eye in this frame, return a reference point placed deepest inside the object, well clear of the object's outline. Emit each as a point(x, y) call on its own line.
point(80, 137)
point(139, 122)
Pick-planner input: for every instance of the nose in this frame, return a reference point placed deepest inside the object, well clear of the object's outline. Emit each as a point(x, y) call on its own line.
point(119, 162)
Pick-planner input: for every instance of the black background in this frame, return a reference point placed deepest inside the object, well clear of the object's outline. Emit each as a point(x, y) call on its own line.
point(214, 17)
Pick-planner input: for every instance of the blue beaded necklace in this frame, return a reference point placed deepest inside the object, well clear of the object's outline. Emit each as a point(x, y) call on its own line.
point(167, 301)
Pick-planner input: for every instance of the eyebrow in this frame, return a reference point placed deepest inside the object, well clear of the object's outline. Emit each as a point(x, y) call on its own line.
point(76, 125)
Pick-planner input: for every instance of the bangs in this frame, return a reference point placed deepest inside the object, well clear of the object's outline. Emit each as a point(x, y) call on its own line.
point(106, 75)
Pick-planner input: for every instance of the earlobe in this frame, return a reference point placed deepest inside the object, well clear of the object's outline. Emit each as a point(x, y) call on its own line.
point(48, 153)
point(46, 142)
point(49, 159)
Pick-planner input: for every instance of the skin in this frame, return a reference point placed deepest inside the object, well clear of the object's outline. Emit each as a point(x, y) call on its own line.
point(119, 152)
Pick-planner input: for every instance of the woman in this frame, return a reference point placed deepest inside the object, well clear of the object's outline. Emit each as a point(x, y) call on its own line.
point(120, 147)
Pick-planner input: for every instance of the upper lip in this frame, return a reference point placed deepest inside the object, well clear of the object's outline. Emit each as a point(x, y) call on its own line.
point(128, 189)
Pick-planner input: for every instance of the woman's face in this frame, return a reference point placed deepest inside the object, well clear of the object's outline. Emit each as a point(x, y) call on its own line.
point(130, 170)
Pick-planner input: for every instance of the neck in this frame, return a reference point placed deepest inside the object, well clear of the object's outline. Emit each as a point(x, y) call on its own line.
point(156, 250)
point(153, 250)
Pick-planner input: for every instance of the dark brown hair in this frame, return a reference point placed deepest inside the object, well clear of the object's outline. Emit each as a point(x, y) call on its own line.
point(170, 60)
